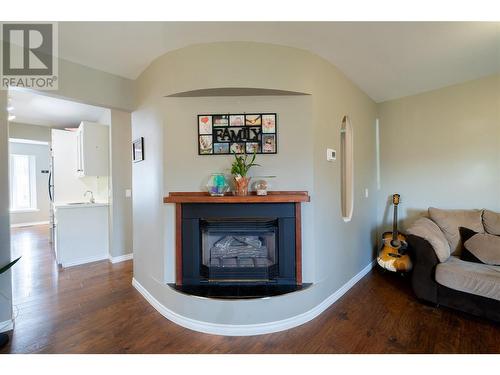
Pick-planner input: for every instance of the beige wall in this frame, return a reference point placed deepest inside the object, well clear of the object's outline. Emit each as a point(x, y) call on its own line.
point(28, 131)
point(121, 179)
point(91, 86)
point(5, 279)
point(442, 149)
point(171, 163)
point(342, 248)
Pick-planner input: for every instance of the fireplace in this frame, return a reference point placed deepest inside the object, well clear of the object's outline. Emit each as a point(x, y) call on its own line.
point(242, 247)
point(239, 250)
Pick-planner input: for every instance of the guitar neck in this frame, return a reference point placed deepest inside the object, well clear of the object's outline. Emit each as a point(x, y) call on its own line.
point(395, 223)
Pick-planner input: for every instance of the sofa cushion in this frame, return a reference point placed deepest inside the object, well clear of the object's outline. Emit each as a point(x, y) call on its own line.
point(450, 220)
point(479, 279)
point(491, 221)
point(484, 247)
point(429, 231)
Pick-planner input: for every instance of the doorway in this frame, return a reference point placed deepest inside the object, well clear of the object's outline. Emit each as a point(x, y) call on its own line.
point(42, 185)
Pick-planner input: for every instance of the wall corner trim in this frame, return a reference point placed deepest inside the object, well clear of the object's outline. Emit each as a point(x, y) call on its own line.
point(251, 329)
point(8, 325)
point(78, 262)
point(121, 258)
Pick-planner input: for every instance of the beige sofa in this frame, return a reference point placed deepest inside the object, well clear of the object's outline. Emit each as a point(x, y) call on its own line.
point(440, 276)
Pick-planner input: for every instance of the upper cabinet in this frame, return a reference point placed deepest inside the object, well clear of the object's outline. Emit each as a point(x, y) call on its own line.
point(92, 142)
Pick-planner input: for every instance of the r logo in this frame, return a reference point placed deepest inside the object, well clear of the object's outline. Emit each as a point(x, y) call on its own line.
point(27, 49)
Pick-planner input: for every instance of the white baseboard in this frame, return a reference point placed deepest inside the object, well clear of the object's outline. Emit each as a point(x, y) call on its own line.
point(8, 325)
point(19, 225)
point(121, 258)
point(84, 261)
point(250, 329)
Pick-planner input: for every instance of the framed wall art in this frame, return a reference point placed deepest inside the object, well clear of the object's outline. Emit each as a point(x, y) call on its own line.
point(223, 134)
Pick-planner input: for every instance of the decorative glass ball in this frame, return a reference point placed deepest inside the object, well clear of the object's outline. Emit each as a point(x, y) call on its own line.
point(261, 187)
point(217, 185)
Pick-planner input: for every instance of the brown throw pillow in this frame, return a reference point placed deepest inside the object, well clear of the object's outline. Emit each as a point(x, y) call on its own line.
point(480, 247)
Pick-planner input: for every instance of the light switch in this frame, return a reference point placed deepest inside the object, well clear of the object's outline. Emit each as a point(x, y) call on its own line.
point(331, 154)
point(366, 192)
point(128, 193)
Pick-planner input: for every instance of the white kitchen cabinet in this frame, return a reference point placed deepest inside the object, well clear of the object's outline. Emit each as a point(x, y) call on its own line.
point(92, 143)
point(81, 233)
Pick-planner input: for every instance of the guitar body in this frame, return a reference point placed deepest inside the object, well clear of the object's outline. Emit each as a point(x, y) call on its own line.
point(392, 256)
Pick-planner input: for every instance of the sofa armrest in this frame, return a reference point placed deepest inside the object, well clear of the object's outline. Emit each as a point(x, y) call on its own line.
point(424, 266)
point(427, 229)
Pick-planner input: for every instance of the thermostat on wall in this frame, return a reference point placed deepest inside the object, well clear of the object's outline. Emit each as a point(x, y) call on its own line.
point(331, 154)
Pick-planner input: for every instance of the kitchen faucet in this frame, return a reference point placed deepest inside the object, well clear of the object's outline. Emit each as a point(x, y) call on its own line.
point(91, 200)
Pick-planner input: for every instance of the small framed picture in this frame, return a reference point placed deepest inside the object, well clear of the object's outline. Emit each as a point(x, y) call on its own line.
point(220, 120)
point(237, 148)
point(221, 148)
point(269, 123)
point(205, 145)
point(253, 147)
point(253, 120)
point(236, 120)
point(138, 150)
point(269, 143)
point(205, 124)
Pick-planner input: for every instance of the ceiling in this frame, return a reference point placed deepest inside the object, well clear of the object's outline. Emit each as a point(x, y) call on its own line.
point(35, 109)
point(387, 60)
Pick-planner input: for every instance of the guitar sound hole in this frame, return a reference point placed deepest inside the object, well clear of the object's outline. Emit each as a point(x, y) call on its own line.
point(395, 243)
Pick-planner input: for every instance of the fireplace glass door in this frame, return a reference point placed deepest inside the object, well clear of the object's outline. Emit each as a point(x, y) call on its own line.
point(239, 250)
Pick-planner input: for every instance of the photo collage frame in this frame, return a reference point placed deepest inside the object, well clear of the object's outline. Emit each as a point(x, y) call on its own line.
point(224, 134)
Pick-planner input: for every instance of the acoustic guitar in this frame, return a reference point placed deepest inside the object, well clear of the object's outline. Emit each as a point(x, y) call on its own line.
point(392, 256)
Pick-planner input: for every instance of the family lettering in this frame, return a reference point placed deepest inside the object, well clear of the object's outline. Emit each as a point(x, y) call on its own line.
point(243, 134)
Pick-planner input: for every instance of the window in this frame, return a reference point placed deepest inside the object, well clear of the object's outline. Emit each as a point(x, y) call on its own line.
point(22, 182)
point(346, 169)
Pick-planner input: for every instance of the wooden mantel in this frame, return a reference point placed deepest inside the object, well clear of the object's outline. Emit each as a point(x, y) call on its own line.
point(295, 197)
point(271, 197)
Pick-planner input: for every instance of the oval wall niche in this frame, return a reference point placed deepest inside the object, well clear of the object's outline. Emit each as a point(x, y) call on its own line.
point(346, 169)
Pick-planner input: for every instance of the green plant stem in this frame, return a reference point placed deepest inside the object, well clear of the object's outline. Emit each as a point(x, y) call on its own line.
point(241, 166)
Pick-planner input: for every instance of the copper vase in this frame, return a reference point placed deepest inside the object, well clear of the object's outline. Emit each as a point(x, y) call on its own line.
point(241, 186)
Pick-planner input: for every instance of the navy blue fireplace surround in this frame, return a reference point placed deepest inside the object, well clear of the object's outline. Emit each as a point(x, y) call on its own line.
point(272, 223)
point(238, 247)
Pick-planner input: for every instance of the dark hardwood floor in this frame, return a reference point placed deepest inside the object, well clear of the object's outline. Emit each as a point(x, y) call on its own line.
point(94, 309)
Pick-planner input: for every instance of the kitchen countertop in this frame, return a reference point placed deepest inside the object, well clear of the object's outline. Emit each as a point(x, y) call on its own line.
point(80, 205)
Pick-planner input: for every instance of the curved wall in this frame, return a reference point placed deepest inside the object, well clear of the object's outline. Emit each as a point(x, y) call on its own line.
point(333, 251)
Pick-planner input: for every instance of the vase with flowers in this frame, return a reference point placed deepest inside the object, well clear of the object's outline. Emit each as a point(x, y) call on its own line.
point(239, 170)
